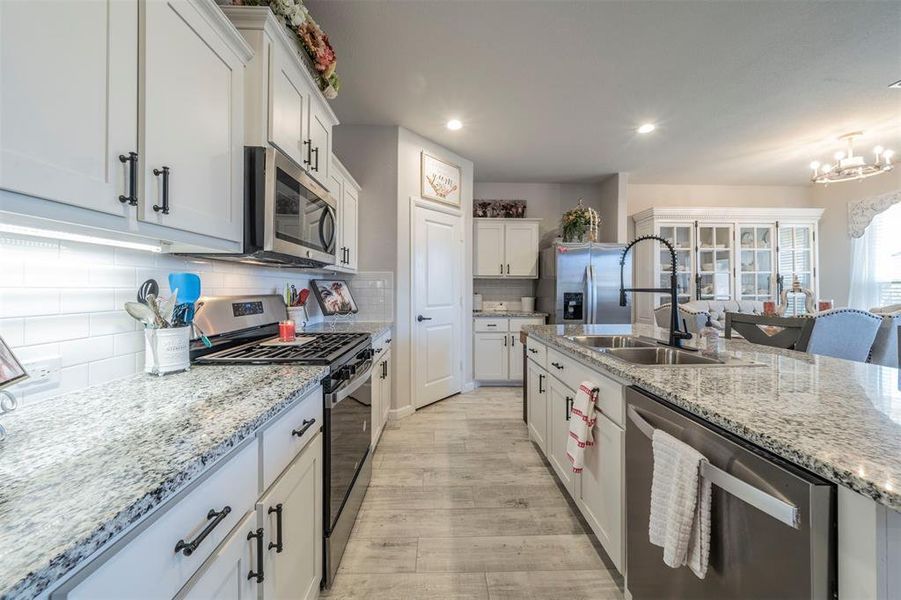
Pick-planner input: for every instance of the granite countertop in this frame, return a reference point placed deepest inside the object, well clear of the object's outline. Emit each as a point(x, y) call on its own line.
point(836, 418)
point(504, 314)
point(78, 469)
point(374, 328)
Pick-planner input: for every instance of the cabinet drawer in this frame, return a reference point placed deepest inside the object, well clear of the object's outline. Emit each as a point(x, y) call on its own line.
point(149, 561)
point(491, 325)
point(537, 352)
point(517, 324)
point(279, 443)
point(572, 373)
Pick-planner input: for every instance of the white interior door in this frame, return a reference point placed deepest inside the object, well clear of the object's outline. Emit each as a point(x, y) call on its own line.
point(68, 100)
point(437, 302)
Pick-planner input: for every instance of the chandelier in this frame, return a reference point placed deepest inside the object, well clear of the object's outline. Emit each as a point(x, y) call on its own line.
point(849, 166)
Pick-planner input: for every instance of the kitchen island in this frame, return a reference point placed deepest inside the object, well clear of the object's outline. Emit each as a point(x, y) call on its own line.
point(837, 419)
point(82, 469)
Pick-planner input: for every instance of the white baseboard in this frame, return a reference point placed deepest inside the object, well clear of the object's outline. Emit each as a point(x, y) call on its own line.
point(396, 414)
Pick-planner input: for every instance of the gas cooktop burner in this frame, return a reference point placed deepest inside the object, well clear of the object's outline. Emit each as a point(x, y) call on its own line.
point(325, 348)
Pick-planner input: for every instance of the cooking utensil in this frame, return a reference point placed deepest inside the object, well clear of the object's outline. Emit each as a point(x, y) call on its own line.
point(148, 287)
point(188, 285)
point(154, 306)
point(141, 312)
point(167, 307)
point(304, 296)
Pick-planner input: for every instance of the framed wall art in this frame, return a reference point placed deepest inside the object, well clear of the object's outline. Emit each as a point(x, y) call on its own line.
point(334, 297)
point(440, 180)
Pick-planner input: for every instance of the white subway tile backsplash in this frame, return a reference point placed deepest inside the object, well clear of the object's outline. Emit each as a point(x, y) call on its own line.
point(36, 352)
point(12, 272)
point(81, 301)
point(90, 254)
point(111, 368)
point(54, 275)
point(76, 352)
point(41, 330)
point(107, 323)
point(128, 343)
point(23, 302)
point(135, 258)
point(12, 331)
point(110, 276)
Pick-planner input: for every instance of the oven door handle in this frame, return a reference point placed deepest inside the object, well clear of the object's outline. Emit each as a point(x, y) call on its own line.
point(354, 384)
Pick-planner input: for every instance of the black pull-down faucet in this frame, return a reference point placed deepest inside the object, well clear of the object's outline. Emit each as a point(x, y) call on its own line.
point(675, 334)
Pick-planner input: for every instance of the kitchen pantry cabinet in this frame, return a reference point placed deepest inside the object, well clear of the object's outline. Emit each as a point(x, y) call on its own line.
point(726, 253)
point(506, 248)
point(381, 385)
point(284, 105)
point(152, 125)
point(599, 490)
point(346, 192)
point(496, 349)
point(216, 536)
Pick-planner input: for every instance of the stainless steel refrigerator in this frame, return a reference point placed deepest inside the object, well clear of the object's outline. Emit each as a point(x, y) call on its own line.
point(579, 283)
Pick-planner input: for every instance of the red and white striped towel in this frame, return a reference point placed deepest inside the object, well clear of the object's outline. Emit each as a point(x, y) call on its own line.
point(581, 422)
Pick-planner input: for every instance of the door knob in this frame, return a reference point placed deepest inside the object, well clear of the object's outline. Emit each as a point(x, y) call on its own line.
point(420, 318)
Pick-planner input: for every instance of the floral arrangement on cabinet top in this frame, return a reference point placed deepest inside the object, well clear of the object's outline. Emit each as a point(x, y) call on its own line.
point(311, 38)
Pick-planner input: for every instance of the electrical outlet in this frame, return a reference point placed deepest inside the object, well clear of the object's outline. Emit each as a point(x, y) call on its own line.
point(43, 374)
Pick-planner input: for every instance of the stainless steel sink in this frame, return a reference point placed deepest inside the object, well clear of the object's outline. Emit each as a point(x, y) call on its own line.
point(675, 358)
point(611, 341)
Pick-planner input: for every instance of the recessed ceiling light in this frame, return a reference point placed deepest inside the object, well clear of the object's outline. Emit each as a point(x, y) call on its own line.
point(647, 128)
point(896, 85)
point(454, 124)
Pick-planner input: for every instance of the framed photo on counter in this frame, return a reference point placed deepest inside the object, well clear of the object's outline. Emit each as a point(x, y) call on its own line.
point(11, 370)
point(440, 180)
point(334, 297)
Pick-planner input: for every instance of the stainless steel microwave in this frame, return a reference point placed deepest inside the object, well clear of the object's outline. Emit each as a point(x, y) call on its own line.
point(289, 218)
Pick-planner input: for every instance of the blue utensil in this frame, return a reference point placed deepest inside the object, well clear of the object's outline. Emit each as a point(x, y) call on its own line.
point(188, 285)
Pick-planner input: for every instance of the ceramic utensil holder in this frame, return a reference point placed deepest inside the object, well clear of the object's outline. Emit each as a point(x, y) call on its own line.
point(298, 314)
point(167, 350)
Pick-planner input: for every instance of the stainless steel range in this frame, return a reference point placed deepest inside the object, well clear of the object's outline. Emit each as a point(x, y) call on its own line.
point(241, 329)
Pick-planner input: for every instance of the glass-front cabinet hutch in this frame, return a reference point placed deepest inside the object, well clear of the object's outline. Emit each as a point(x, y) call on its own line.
point(726, 254)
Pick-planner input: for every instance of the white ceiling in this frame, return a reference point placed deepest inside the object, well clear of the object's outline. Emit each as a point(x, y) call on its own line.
point(742, 92)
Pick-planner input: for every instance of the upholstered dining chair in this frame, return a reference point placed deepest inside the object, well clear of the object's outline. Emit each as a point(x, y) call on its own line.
point(844, 333)
point(885, 347)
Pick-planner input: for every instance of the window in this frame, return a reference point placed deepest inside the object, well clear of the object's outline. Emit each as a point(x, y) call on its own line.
point(876, 262)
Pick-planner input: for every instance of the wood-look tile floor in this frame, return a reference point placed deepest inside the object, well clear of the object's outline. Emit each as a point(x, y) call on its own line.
point(461, 505)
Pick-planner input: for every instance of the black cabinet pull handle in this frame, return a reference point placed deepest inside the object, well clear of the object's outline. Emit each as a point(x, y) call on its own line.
point(540, 381)
point(505, 341)
point(384, 369)
point(508, 268)
point(502, 269)
point(557, 365)
point(420, 318)
point(490, 324)
point(568, 407)
point(309, 159)
point(165, 207)
point(277, 509)
point(132, 159)
point(533, 350)
point(303, 428)
point(348, 256)
point(258, 574)
point(214, 518)
point(316, 152)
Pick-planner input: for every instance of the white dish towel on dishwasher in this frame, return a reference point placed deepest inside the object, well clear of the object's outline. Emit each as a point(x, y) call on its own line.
point(582, 416)
point(680, 504)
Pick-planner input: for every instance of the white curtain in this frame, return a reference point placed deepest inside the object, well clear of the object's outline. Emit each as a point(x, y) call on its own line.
point(864, 293)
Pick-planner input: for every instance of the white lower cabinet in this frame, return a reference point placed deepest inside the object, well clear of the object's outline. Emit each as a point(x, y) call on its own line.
point(381, 395)
point(224, 576)
point(536, 390)
point(601, 497)
point(599, 490)
point(496, 350)
point(291, 514)
point(559, 403)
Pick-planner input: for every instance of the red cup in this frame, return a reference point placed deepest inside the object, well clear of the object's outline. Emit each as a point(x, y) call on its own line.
point(769, 307)
point(286, 331)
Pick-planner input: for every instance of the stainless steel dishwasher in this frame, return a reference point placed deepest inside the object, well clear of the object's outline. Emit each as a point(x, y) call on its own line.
point(773, 531)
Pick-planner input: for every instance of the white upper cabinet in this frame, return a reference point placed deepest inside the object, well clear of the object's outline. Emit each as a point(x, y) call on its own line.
point(489, 248)
point(506, 248)
point(289, 97)
point(521, 249)
point(346, 192)
point(68, 100)
point(193, 115)
point(284, 104)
